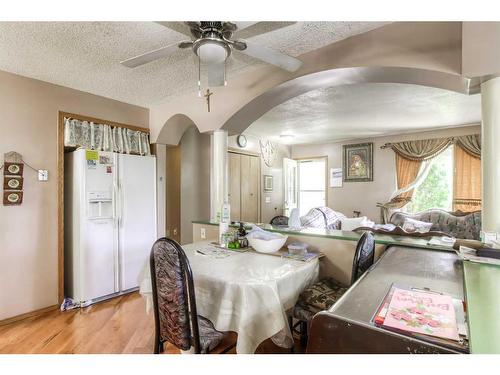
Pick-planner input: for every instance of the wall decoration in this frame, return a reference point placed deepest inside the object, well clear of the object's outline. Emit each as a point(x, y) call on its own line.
point(335, 177)
point(13, 183)
point(358, 162)
point(13, 168)
point(12, 198)
point(269, 152)
point(268, 183)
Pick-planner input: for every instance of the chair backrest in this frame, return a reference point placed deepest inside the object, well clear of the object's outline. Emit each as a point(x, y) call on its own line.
point(364, 255)
point(173, 295)
point(279, 220)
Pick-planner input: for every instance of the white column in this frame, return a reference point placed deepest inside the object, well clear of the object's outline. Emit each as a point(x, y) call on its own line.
point(490, 154)
point(218, 173)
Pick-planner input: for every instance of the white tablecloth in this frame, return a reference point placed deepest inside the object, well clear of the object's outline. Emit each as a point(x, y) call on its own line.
point(247, 293)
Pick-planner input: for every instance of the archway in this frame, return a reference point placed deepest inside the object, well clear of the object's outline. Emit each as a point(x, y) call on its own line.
point(174, 128)
point(257, 107)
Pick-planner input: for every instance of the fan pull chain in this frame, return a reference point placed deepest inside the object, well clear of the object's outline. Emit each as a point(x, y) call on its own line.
point(225, 82)
point(199, 77)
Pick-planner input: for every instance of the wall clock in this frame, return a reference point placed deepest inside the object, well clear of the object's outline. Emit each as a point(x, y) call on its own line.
point(241, 140)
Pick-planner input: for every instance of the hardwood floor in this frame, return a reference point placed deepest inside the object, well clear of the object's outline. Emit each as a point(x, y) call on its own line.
point(119, 325)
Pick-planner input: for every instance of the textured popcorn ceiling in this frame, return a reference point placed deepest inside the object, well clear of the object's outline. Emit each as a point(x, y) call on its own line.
point(365, 110)
point(86, 55)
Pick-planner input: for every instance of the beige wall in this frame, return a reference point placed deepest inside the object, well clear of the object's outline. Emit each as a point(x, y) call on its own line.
point(480, 48)
point(28, 233)
point(195, 180)
point(275, 206)
point(363, 196)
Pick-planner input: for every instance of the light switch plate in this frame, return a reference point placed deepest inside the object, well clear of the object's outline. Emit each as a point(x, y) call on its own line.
point(268, 199)
point(202, 233)
point(43, 175)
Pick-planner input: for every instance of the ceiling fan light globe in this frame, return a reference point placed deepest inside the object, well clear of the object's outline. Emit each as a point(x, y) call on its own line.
point(211, 53)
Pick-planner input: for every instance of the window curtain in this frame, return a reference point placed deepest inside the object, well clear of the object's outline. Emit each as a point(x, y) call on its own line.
point(409, 175)
point(105, 138)
point(420, 150)
point(470, 144)
point(467, 178)
point(411, 172)
point(406, 173)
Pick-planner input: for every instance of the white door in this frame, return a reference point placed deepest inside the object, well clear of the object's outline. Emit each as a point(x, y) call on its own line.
point(136, 215)
point(99, 242)
point(290, 197)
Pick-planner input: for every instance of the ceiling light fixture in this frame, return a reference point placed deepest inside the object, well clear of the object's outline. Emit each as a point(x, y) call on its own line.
point(213, 53)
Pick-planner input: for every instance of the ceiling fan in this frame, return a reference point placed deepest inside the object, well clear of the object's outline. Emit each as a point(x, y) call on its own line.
point(213, 43)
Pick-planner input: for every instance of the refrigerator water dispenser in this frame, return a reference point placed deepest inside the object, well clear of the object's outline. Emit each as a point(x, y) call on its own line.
point(100, 205)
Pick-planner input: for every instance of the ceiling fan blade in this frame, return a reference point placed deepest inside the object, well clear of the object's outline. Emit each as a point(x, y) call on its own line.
point(151, 56)
point(251, 29)
point(180, 27)
point(185, 44)
point(271, 56)
point(216, 74)
point(244, 24)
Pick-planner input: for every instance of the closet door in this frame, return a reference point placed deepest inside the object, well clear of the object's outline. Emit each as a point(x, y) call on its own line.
point(250, 172)
point(234, 185)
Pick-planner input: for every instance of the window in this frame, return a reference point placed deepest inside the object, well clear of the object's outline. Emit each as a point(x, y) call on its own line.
point(312, 182)
point(436, 191)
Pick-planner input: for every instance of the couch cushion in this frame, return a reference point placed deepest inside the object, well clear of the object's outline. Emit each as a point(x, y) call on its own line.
point(322, 217)
point(464, 226)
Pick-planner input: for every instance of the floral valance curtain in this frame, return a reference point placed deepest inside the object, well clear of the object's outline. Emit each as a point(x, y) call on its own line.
point(103, 137)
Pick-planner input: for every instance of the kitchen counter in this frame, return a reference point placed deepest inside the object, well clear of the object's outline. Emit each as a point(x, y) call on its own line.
point(382, 239)
point(481, 282)
point(482, 293)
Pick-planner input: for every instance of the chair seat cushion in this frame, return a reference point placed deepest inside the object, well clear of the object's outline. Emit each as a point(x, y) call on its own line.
point(320, 296)
point(209, 336)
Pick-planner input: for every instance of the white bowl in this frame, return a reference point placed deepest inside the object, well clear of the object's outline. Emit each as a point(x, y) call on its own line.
point(267, 246)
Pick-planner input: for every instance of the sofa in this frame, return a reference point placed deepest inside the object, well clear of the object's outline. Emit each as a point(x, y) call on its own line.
point(466, 225)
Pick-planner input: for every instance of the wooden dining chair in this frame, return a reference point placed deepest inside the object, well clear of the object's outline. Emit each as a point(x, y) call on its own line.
point(175, 314)
point(322, 295)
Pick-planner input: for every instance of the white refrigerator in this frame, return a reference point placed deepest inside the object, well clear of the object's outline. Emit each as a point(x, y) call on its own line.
point(110, 222)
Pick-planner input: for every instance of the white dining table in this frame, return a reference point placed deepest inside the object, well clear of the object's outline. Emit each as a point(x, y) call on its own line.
point(244, 292)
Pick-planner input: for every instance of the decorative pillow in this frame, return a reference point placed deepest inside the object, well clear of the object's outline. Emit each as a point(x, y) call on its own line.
point(412, 225)
point(351, 223)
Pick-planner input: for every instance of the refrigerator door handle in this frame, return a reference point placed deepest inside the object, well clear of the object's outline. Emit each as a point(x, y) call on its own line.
point(114, 204)
point(120, 193)
point(118, 205)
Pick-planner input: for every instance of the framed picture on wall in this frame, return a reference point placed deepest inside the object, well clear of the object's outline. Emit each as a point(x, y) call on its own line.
point(268, 183)
point(358, 162)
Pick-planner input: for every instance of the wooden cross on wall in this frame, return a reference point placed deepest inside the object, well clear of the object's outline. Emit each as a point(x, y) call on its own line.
point(207, 95)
